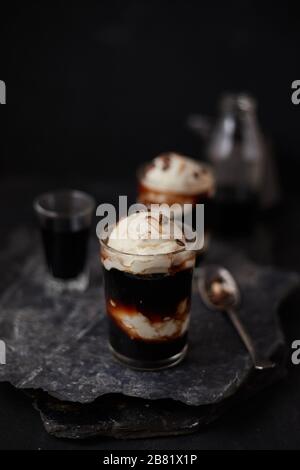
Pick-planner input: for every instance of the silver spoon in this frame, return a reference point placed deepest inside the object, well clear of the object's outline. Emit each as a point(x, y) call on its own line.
point(219, 291)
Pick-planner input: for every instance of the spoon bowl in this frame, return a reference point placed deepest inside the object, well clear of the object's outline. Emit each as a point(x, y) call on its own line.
point(220, 277)
point(219, 291)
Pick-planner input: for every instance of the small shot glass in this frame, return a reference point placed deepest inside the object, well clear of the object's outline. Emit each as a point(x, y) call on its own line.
point(65, 218)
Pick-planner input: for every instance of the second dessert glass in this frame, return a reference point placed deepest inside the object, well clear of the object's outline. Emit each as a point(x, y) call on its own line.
point(172, 178)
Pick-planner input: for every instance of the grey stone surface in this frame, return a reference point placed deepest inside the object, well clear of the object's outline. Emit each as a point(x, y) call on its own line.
point(57, 344)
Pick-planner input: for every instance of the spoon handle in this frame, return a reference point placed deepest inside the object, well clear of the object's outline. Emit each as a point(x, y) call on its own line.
point(260, 364)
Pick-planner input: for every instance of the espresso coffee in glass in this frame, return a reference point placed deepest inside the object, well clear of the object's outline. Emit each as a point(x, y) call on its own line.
point(65, 218)
point(148, 293)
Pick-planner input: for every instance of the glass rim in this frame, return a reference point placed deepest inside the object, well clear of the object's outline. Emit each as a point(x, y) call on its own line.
point(57, 214)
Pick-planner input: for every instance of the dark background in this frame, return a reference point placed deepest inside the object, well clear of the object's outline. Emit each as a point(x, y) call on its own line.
point(96, 89)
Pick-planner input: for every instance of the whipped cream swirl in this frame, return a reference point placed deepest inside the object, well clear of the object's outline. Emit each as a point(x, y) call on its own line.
point(146, 243)
point(172, 172)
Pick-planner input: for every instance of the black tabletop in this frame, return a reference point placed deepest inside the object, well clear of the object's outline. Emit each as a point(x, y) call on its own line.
point(270, 420)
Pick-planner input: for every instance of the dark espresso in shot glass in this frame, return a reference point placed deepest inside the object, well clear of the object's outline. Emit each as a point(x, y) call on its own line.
point(65, 219)
point(147, 292)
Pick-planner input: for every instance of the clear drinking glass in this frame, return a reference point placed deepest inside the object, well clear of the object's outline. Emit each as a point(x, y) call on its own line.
point(65, 219)
point(148, 314)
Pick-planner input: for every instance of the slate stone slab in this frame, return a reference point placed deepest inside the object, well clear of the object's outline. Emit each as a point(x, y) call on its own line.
point(57, 350)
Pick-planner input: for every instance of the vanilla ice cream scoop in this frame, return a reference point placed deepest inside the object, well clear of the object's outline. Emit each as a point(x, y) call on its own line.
point(147, 242)
point(172, 172)
point(146, 233)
